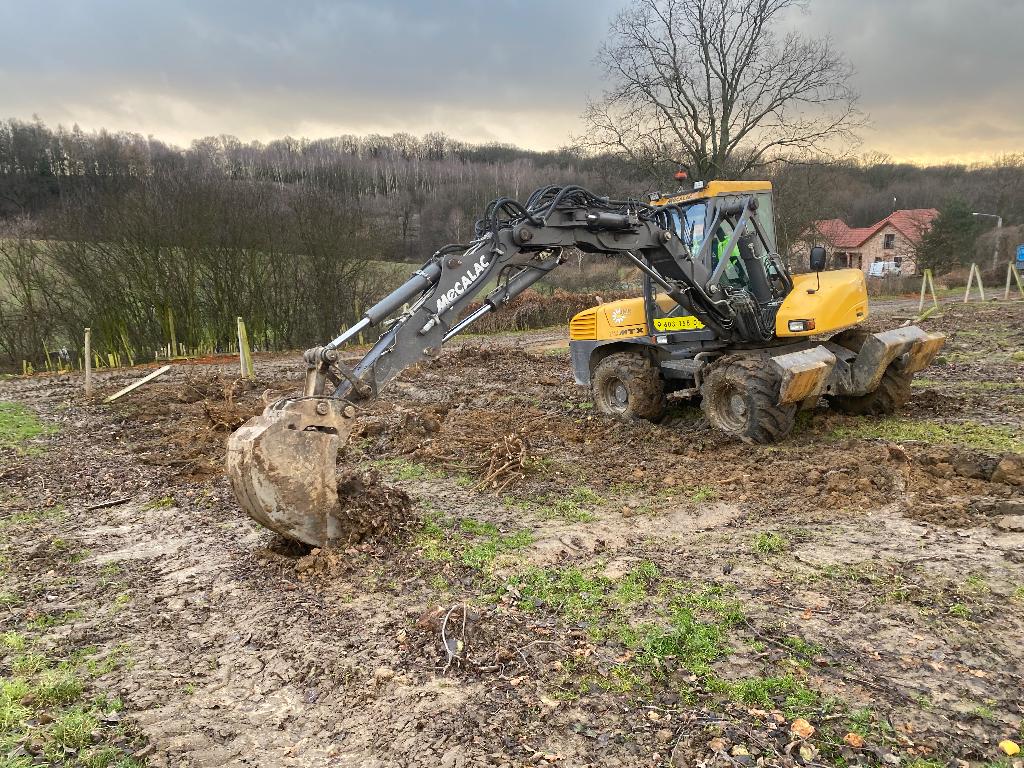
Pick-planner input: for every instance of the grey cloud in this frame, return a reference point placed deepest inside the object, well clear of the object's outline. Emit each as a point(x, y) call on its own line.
point(939, 77)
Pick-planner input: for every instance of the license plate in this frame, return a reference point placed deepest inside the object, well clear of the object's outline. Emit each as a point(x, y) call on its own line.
point(688, 323)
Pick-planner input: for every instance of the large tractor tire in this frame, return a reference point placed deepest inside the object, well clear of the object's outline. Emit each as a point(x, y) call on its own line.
point(893, 390)
point(740, 397)
point(627, 386)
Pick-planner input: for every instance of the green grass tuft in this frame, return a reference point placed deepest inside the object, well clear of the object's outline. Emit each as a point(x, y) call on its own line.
point(575, 507)
point(473, 543)
point(71, 731)
point(18, 424)
point(770, 543)
point(984, 437)
point(403, 469)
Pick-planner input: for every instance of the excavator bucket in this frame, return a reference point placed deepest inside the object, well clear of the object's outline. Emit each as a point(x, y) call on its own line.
point(282, 466)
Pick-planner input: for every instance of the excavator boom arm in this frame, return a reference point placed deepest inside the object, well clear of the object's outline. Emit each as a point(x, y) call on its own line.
point(513, 253)
point(282, 463)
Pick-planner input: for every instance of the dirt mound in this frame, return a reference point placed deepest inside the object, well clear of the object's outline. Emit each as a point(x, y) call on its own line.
point(182, 423)
point(372, 509)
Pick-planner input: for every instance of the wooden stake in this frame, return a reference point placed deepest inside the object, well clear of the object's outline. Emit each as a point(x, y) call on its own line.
point(137, 384)
point(1011, 271)
point(170, 328)
point(244, 353)
point(927, 282)
point(88, 362)
point(970, 279)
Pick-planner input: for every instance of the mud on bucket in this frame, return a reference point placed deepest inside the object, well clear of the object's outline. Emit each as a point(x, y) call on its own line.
point(282, 467)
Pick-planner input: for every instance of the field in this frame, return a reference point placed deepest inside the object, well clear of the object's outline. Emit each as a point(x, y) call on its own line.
point(555, 589)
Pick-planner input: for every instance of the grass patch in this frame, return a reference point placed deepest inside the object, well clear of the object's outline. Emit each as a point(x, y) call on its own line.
point(12, 641)
point(472, 543)
point(673, 626)
point(401, 469)
point(18, 424)
point(959, 611)
point(46, 620)
point(796, 698)
point(769, 543)
point(695, 493)
point(44, 703)
point(968, 384)
point(671, 632)
point(575, 507)
point(996, 439)
point(28, 517)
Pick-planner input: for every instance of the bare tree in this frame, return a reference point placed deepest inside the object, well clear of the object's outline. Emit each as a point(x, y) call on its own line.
point(709, 85)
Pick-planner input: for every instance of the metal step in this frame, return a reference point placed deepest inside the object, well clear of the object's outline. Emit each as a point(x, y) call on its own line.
point(681, 369)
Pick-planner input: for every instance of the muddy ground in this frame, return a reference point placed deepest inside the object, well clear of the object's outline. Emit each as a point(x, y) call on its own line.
point(561, 590)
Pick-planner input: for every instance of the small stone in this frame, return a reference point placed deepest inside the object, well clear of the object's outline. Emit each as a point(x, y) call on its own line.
point(1013, 523)
point(717, 744)
point(801, 728)
point(854, 740)
point(664, 735)
point(383, 673)
point(1010, 470)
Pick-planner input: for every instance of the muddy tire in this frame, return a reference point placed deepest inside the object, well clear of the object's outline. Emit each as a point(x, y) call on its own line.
point(892, 393)
point(627, 386)
point(740, 398)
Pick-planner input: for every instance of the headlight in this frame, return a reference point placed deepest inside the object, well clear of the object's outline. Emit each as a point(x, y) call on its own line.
point(799, 326)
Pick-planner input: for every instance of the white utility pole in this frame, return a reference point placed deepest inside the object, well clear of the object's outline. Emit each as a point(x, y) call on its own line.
point(999, 232)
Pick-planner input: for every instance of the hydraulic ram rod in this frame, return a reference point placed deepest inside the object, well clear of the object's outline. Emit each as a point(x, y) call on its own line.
point(421, 280)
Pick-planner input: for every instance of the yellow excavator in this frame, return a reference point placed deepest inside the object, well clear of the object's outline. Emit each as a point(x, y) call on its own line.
point(721, 317)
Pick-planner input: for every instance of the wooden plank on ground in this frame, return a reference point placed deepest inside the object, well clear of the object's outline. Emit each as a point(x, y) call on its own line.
point(132, 387)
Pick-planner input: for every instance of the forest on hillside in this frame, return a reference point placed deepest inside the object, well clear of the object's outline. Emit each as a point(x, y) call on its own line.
point(132, 236)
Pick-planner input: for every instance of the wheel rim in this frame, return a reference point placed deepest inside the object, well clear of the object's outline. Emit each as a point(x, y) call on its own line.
point(732, 409)
point(616, 395)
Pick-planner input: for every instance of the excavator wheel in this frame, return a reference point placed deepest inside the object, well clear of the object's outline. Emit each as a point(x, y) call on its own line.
point(893, 390)
point(740, 398)
point(627, 386)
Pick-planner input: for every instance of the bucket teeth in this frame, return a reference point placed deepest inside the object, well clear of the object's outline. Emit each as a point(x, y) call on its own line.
point(282, 467)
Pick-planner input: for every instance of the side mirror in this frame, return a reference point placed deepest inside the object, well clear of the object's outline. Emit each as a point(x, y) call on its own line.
point(818, 258)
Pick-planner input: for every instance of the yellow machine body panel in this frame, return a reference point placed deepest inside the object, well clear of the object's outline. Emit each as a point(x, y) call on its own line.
point(834, 300)
point(625, 318)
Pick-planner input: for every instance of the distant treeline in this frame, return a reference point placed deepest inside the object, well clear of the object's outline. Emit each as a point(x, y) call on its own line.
point(129, 235)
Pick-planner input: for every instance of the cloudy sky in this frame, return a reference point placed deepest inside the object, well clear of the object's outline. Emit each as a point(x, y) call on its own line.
point(940, 79)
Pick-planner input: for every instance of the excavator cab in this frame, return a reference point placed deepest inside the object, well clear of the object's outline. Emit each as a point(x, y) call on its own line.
point(720, 317)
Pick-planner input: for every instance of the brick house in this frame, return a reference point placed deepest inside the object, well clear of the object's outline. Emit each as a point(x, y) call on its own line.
point(894, 239)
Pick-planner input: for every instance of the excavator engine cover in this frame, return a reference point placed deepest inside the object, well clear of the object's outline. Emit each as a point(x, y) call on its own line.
point(282, 466)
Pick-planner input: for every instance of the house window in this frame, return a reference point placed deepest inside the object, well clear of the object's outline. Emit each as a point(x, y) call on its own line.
point(898, 260)
point(890, 242)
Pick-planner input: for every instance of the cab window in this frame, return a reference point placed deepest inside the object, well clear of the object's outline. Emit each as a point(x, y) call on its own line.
point(735, 273)
point(693, 227)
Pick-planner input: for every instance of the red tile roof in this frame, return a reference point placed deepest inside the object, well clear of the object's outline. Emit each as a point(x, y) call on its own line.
point(912, 223)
